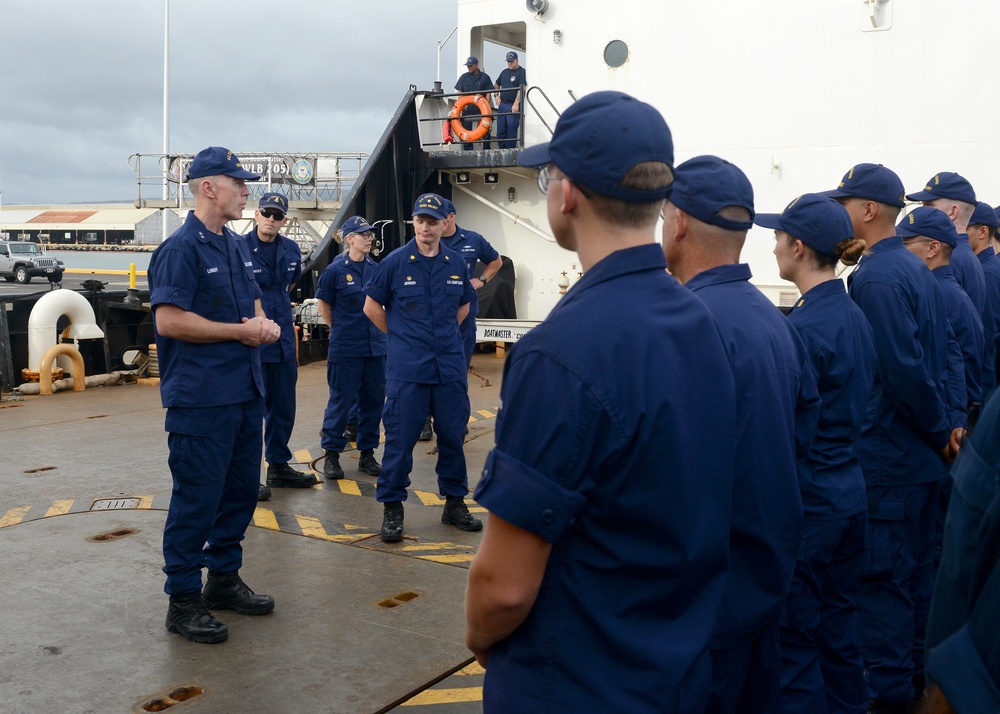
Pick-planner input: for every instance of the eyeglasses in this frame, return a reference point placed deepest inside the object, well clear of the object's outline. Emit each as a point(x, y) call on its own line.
point(544, 179)
point(271, 213)
point(367, 235)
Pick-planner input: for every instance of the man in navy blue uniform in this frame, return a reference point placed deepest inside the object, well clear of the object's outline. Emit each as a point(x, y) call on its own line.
point(954, 195)
point(599, 578)
point(209, 324)
point(509, 85)
point(822, 669)
point(906, 442)
point(706, 220)
point(355, 362)
point(419, 295)
point(277, 266)
point(982, 225)
point(474, 80)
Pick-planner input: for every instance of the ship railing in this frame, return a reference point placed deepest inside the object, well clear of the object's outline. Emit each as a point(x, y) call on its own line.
point(445, 137)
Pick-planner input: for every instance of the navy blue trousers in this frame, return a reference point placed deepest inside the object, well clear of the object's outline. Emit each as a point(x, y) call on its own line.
point(507, 126)
point(279, 409)
point(746, 678)
point(900, 565)
point(353, 380)
point(821, 665)
point(215, 463)
point(406, 407)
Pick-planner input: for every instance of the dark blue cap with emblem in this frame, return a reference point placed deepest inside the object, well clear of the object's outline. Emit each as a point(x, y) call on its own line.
point(218, 161)
point(354, 224)
point(602, 137)
point(872, 182)
point(946, 184)
point(928, 222)
point(274, 201)
point(471, 61)
point(511, 56)
point(984, 215)
point(813, 218)
point(705, 185)
point(430, 204)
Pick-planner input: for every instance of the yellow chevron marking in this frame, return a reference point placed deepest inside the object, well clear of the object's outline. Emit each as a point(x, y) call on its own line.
point(265, 519)
point(146, 502)
point(432, 546)
point(14, 516)
point(429, 499)
point(474, 668)
point(302, 456)
point(60, 507)
point(458, 558)
point(349, 487)
point(445, 696)
point(488, 415)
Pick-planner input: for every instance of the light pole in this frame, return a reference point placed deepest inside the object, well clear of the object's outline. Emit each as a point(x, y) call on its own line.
point(442, 43)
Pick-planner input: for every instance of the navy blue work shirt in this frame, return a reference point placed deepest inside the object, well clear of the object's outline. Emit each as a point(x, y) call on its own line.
point(991, 316)
point(473, 248)
point(614, 443)
point(907, 423)
point(838, 341)
point(341, 286)
point(421, 298)
point(470, 82)
point(777, 411)
point(276, 268)
point(510, 82)
point(210, 275)
point(969, 272)
point(968, 330)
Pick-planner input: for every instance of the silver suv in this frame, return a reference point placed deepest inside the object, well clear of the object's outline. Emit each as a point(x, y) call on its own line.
point(22, 261)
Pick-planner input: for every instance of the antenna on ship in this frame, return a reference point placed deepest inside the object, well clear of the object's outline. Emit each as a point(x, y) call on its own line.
point(442, 43)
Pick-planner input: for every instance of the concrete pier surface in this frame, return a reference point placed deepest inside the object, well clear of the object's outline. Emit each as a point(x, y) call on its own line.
point(359, 625)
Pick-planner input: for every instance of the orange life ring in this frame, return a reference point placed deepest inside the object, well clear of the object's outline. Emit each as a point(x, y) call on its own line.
point(485, 120)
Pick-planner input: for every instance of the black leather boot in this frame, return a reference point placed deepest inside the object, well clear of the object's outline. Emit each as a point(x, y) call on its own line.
point(427, 433)
point(331, 469)
point(392, 522)
point(189, 618)
point(263, 493)
point(456, 513)
point(368, 464)
point(284, 476)
point(227, 591)
point(351, 432)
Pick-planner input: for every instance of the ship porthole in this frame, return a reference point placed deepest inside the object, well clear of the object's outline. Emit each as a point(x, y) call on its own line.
point(616, 54)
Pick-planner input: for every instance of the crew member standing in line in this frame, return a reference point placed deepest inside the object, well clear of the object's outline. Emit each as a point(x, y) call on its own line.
point(706, 219)
point(209, 322)
point(419, 295)
point(599, 578)
point(277, 267)
point(509, 86)
point(474, 80)
point(821, 665)
point(954, 195)
point(355, 363)
point(982, 225)
point(904, 446)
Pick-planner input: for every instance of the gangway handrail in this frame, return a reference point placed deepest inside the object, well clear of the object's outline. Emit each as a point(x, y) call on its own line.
point(527, 98)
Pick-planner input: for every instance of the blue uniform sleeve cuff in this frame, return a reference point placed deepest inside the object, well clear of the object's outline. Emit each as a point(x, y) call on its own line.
point(525, 497)
point(956, 667)
point(171, 296)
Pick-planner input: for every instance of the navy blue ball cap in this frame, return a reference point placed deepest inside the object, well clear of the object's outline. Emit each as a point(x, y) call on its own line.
point(872, 182)
point(928, 222)
point(430, 204)
point(471, 61)
point(815, 219)
point(946, 184)
point(984, 215)
point(511, 56)
point(705, 185)
point(354, 224)
point(600, 138)
point(449, 207)
point(218, 161)
point(274, 201)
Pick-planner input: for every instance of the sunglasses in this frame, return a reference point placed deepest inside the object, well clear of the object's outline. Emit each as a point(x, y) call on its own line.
point(271, 213)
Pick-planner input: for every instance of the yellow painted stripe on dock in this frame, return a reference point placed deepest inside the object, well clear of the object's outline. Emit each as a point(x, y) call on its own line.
point(312, 527)
point(432, 546)
point(429, 499)
point(445, 696)
point(265, 519)
point(488, 415)
point(14, 516)
point(60, 507)
point(474, 668)
point(461, 558)
point(145, 503)
point(302, 456)
point(349, 487)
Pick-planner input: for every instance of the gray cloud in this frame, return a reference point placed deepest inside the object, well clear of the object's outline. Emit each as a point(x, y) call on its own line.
point(81, 87)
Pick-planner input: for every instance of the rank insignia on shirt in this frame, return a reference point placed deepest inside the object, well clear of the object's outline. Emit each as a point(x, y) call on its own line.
point(800, 303)
point(454, 277)
point(350, 278)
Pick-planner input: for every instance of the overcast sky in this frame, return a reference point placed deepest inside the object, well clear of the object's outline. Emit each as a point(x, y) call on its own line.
point(81, 83)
